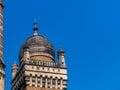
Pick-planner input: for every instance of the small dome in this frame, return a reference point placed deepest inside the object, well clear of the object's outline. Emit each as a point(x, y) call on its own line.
point(38, 46)
point(61, 50)
point(14, 65)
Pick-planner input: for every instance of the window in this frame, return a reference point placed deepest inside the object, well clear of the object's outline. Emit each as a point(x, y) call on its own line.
point(53, 81)
point(58, 81)
point(43, 82)
point(53, 69)
point(38, 68)
point(48, 82)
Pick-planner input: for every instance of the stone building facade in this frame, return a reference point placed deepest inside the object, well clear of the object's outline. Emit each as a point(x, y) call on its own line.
point(38, 69)
point(2, 65)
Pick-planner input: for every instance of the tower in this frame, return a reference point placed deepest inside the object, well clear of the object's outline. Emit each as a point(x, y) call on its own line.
point(14, 69)
point(2, 65)
point(38, 69)
point(61, 57)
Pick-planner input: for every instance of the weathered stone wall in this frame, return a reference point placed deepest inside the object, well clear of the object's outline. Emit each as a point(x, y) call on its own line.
point(1, 82)
point(43, 58)
point(38, 88)
point(2, 87)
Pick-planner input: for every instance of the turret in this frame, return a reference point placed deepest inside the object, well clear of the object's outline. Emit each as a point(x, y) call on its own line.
point(61, 57)
point(14, 69)
point(26, 54)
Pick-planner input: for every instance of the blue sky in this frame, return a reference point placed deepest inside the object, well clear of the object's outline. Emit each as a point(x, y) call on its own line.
point(88, 30)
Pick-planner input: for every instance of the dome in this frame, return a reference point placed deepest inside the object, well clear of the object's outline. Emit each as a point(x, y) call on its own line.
point(38, 46)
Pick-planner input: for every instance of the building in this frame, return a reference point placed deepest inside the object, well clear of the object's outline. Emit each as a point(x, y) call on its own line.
point(38, 69)
point(2, 65)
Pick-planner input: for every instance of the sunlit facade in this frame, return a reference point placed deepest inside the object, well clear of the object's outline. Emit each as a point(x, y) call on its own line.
point(38, 68)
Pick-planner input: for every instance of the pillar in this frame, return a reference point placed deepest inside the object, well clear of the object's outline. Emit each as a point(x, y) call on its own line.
point(41, 81)
point(61, 83)
point(51, 82)
point(46, 82)
point(56, 82)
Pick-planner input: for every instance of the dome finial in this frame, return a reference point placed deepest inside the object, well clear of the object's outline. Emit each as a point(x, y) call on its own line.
point(35, 29)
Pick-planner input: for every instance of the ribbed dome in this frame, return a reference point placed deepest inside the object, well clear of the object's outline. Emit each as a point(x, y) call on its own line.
point(37, 44)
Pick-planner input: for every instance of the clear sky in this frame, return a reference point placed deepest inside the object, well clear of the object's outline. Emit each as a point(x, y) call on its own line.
point(88, 30)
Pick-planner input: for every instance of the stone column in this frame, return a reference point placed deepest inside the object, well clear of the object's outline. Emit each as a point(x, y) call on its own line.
point(30, 80)
point(56, 83)
point(61, 83)
point(36, 79)
point(51, 82)
point(46, 82)
point(41, 82)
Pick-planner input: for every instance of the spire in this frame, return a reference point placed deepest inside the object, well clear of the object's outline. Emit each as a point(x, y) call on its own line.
point(35, 29)
point(61, 50)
